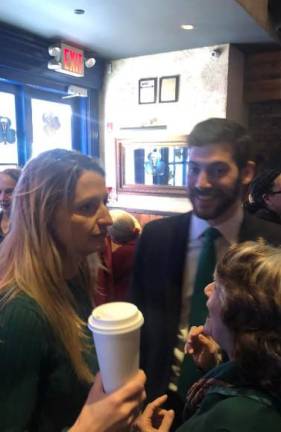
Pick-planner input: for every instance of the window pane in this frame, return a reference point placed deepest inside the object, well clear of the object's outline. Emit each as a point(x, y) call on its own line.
point(51, 123)
point(8, 150)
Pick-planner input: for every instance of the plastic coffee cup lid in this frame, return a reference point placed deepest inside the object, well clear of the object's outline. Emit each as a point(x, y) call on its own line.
point(115, 318)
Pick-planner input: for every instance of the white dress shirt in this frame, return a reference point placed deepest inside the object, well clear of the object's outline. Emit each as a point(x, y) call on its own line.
point(229, 234)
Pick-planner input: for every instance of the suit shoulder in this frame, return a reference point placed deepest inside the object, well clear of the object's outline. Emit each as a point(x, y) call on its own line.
point(254, 228)
point(166, 223)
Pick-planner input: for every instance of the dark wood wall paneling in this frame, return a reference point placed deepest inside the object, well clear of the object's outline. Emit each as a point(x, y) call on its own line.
point(263, 93)
point(263, 77)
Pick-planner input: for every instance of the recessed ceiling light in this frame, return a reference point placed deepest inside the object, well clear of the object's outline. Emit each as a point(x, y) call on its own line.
point(79, 11)
point(187, 27)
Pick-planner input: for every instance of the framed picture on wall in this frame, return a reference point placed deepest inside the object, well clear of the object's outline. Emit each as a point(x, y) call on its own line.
point(169, 88)
point(147, 90)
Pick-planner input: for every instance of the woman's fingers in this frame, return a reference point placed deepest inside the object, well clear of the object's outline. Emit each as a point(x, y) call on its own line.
point(193, 339)
point(114, 411)
point(97, 392)
point(154, 418)
point(167, 420)
point(133, 387)
point(153, 406)
point(130, 397)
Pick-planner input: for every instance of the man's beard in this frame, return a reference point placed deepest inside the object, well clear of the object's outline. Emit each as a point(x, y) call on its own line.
point(222, 198)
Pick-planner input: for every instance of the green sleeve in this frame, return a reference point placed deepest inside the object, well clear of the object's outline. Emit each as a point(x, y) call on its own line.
point(23, 345)
point(235, 414)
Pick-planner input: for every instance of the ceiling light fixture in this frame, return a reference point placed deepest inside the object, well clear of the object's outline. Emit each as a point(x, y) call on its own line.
point(187, 27)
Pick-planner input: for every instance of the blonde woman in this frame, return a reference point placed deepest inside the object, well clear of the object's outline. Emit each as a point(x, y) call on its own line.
point(244, 304)
point(47, 362)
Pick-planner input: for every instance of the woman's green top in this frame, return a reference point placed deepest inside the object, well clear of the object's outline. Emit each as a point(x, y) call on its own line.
point(39, 390)
point(234, 406)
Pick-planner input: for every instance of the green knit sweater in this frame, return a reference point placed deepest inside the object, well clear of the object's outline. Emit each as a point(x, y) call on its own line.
point(234, 409)
point(39, 390)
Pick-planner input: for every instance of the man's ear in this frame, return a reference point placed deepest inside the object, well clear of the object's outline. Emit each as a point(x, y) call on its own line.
point(248, 173)
point(266, 199)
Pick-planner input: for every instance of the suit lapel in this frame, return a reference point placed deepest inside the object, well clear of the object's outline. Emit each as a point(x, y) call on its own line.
point(175, 269)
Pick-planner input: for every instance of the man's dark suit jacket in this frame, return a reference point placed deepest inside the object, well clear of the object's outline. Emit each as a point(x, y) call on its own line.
point(157, 288)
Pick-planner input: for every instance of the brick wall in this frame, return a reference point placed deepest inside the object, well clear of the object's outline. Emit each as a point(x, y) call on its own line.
point(265, 127)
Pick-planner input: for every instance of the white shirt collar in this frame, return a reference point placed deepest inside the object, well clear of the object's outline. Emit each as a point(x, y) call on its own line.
point(229, 229)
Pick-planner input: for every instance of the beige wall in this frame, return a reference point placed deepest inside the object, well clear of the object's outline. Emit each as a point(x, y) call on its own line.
point(203, 93)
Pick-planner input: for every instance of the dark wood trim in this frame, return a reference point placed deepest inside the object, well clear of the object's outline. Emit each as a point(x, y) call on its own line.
point(143, 211)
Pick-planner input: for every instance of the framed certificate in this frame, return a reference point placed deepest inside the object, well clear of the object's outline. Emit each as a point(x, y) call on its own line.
point(147, 90)
point(169, 88)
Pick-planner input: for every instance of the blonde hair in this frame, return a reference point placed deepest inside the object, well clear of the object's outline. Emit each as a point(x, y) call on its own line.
point(30, 260)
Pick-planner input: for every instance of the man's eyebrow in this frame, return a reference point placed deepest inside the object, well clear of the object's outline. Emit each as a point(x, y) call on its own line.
point(206, 163)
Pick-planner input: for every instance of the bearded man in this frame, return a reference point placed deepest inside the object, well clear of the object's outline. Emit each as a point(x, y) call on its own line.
point(168, 268)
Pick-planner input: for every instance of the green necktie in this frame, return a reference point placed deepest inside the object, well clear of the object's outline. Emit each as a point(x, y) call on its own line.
point(204, 275)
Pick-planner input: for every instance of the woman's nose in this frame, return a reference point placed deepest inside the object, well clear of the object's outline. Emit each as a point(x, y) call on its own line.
point(104, 217)
point(208, 290)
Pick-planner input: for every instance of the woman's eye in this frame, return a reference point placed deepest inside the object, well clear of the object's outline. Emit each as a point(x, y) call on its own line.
point(87, 209)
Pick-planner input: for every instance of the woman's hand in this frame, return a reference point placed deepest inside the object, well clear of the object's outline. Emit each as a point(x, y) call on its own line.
point(111, 412)
point(205, 351)
point(154, 418)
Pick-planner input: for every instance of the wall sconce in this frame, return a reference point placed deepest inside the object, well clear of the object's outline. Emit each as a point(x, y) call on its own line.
point(55, 52)
point(90, 62)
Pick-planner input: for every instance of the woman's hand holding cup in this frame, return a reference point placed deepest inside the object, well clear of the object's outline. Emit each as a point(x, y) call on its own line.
point(111, 412)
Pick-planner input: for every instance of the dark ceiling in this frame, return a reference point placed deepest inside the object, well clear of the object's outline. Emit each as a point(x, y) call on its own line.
point(125, 28)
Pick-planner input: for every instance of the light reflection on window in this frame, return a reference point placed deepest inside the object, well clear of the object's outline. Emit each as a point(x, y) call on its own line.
point(51, 123)
point(8, 152)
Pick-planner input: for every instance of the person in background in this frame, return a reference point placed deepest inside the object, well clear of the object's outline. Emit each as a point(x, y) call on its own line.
point(265, 196)
point(8, 181)
point(104, 291)
point(47, 359)
point(124, 233)
point(244, 307)
point(176, 255)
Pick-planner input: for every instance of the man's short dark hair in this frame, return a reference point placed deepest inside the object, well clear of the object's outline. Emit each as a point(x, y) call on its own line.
point(223, 131)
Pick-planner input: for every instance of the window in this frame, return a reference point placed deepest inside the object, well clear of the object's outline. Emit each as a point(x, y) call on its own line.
point(51, 126)
point(8, 136)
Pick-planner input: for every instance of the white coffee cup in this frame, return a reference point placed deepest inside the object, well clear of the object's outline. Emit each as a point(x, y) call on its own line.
point(116, 332)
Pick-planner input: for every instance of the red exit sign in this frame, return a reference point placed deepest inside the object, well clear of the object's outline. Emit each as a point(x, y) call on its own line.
point(72, 60)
